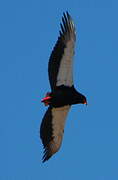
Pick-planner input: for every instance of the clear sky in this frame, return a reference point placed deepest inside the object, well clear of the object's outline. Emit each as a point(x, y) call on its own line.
point(28, 32)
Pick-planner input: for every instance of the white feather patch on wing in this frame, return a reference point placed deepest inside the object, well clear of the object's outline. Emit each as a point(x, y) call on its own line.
point(65, 74)
point(58, 122)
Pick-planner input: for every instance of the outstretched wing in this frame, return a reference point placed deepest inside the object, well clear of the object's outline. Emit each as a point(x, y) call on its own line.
point(60, 67)
point(52, 129)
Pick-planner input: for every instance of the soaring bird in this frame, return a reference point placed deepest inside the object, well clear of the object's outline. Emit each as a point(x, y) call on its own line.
point(63, 93)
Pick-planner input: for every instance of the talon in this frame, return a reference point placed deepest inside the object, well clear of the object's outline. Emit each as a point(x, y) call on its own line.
point(46, 100)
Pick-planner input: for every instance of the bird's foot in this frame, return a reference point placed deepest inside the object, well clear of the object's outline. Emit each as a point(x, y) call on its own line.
point(46, 99)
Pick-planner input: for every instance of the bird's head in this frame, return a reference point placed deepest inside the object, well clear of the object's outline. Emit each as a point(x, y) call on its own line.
point(84, 100)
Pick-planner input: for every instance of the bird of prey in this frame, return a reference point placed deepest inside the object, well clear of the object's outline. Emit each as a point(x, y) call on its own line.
point(63, 93)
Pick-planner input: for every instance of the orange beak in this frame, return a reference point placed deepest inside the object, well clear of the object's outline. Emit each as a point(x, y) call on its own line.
point(85, 102)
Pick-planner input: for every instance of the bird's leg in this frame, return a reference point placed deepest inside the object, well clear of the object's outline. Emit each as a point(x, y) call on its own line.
point(46, 99)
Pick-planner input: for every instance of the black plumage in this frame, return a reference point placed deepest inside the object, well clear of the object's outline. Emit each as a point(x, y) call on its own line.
point(63, 94)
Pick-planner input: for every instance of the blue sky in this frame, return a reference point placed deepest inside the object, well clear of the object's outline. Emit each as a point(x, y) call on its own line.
point(29, 30)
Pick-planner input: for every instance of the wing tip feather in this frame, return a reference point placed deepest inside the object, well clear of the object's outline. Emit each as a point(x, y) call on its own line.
point(67, 25)
point(46, 156)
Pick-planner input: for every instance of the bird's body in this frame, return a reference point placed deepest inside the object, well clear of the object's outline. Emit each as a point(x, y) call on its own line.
point(63, 94)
